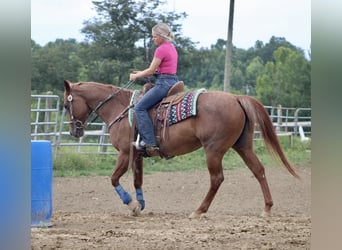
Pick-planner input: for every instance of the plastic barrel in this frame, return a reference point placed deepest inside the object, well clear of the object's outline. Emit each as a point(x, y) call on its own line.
point(41, 183)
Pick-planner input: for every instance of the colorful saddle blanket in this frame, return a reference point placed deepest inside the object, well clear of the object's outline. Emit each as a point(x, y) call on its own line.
point(173, 110)
point(183, 109)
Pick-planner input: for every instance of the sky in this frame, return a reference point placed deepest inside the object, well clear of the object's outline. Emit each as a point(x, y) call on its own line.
point(207, 21)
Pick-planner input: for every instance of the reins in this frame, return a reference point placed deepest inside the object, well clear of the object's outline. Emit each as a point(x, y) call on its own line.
point(126, 86)
point(119, 117)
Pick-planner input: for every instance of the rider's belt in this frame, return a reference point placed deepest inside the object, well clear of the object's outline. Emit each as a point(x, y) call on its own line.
point(156, 75)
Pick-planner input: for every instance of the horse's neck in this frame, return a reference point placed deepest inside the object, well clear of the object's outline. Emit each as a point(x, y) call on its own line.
point(114, 106)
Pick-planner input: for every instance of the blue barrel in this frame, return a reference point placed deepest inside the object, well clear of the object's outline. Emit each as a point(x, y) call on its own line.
point(41, 183)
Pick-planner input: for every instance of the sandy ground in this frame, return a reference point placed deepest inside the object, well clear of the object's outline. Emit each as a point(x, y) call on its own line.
point(87, 214)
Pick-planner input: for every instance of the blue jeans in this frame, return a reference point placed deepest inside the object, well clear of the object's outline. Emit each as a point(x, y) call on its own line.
point(151, 98)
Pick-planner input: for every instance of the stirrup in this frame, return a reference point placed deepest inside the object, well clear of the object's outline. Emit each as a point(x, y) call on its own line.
point(140, 145)
point(136, 143)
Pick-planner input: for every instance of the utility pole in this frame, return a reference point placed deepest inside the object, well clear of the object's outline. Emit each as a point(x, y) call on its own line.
point(226, 87)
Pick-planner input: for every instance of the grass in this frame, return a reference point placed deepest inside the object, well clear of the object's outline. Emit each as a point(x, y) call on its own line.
point(68, 162)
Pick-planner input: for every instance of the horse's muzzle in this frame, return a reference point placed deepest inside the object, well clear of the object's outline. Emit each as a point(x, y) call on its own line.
point(77, 132)
point(76, 129)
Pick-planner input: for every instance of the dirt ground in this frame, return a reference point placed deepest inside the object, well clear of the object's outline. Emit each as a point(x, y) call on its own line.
point(87, 214)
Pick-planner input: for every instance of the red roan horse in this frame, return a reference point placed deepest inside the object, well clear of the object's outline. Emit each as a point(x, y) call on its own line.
point(223, 121)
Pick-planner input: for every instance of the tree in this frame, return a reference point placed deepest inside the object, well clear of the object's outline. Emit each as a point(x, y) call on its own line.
point(206, 67)
point(287, 81)
point(122, 32)
point(254, 69)
point(53, 63)
point(284, 79)
point(265, 51)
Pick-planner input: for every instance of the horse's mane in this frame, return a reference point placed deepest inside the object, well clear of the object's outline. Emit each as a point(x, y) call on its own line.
point(85, 85)
point(105, 85)
point(108, 88)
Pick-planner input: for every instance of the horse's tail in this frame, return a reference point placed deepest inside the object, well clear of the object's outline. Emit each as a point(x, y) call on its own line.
point(256, 113)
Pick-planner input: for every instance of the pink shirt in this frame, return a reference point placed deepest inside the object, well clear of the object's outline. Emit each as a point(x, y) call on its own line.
point(168, 55)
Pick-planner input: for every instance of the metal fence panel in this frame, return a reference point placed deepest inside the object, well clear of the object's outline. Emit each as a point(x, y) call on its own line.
point(96, 135)
point(44, 117)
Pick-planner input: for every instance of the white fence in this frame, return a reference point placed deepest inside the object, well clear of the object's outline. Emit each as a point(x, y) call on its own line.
point(289, 121)
point(95, 135)
point(49, 122)
point(45, 111)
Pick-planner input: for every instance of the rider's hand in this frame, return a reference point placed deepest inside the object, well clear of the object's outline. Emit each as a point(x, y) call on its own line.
point(133, 75)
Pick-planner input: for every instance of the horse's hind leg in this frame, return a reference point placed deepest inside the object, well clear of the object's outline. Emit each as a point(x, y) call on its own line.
point(214, 162)
point(253, 163)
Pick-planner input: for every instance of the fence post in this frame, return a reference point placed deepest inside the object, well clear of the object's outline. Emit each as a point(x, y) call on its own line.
point(47, 118)
point(103, 148)
point(279, 117)
point(296, 121)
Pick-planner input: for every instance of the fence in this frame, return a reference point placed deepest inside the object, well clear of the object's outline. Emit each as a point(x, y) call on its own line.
point(95, 135)
point(48, 124)
point(44, 117)
point(290, 119)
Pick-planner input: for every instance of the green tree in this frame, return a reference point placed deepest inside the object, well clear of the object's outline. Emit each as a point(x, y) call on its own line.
point(53, 63)
point(121, 33)
point(265, 52)
point(287, 81)
point(254, 69)
point(207, 67)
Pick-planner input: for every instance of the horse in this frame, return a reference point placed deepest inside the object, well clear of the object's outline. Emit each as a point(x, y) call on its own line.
point(223, 121)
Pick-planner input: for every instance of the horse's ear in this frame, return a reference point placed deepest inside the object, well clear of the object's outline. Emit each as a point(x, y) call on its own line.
point(67, 85)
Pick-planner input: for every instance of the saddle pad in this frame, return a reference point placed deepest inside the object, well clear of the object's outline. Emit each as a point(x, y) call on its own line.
point(178, 112)
point(134, 98)
point(185, 108)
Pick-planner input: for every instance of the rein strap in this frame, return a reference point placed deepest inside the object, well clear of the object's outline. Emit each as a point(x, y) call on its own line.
point(127, 85)
point(119, 117)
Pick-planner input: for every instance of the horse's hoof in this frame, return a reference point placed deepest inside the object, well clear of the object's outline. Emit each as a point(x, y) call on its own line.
point(135, 208)
point(265, 214)
point(195, 215)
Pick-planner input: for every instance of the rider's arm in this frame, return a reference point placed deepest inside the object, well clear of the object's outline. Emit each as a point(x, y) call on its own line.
point(147, 72)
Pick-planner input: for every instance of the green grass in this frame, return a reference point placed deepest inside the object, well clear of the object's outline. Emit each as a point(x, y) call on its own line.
point(68, 162)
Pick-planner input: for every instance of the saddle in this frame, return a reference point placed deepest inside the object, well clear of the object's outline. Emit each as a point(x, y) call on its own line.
point(175, 107)
point(175, 89)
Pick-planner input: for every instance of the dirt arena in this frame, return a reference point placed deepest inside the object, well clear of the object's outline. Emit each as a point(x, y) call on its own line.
point(87, 213)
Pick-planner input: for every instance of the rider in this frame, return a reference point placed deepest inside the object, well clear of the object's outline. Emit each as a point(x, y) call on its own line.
point(164, 68)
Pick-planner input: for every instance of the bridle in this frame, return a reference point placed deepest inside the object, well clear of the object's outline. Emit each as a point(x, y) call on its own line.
point(81, 125)
point(77, 123)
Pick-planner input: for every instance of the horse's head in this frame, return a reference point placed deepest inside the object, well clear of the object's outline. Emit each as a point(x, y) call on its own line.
point(77, 108)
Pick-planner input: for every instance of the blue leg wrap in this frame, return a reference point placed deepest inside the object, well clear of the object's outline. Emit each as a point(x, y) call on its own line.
point(140, 197)
point(124, 196)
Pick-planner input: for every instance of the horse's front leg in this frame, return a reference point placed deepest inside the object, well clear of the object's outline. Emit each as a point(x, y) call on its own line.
point(120, 169)
point(138, 180)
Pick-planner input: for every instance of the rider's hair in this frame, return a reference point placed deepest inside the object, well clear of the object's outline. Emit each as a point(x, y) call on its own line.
point(163, 30)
